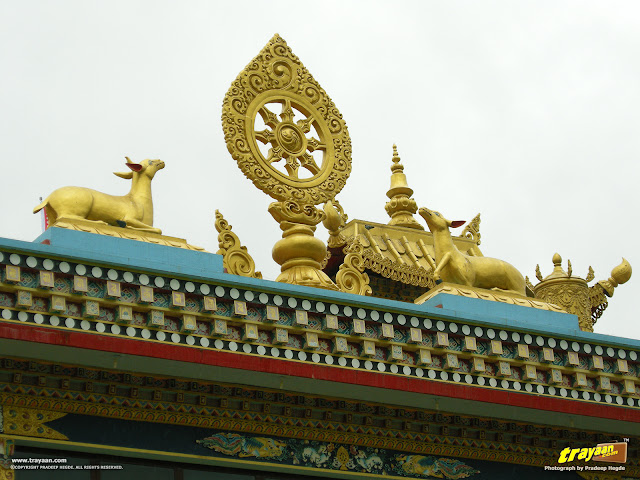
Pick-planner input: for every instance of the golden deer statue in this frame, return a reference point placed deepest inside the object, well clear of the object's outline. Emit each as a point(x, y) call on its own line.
point(133, 210)
point(453, 266)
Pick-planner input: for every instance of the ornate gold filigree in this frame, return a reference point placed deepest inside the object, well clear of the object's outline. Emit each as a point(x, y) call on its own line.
point(342, 457)
point(599, 302)
point(472, 230)
point(538, 273)
point(590, 275)
point(274, 104)
point(529, 284)
point(325, 260)
point(351, 277)
point(277, 80)
point(572, 295)
point(294, 212)
point(235, 257)
point(30, 422)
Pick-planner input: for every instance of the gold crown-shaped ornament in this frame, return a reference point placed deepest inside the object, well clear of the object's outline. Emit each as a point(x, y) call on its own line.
point(574, 295)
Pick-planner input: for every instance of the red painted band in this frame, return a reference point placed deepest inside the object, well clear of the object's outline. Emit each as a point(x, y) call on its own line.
point(282, 367)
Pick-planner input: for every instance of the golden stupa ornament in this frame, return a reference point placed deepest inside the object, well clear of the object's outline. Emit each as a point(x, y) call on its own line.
point(573, 293)
point(290, 140)
point(401, 206)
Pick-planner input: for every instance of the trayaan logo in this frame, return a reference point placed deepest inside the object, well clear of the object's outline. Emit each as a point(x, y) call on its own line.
point(615, 452)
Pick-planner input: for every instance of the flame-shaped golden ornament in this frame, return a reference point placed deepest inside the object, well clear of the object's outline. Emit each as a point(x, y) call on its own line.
point(290, 140)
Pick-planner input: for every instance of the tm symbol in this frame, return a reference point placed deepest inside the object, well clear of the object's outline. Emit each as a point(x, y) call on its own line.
point(625, 439)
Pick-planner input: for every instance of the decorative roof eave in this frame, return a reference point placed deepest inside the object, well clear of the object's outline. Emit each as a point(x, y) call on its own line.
point(205, 268)
point(240, 306)
point(429, 438)
point(229, 362)
point(411, 275)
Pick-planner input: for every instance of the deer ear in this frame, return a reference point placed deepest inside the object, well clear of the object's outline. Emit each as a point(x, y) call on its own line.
point(136, 167)
point(457, 223)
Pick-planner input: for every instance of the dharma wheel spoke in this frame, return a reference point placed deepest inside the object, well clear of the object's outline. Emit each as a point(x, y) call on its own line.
point(265, 136)
point(308, 162)
point(269, 118)
point(292, 167)
point(313, 144)
point(305, 125)
point(287, 113)
point(275, 154)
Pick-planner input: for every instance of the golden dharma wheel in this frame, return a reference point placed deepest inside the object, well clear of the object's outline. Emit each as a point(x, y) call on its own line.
point(284, 131)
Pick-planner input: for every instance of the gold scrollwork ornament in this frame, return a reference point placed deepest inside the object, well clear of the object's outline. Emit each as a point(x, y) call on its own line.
point(472, 230)
point(351, 277)
point(235, 257)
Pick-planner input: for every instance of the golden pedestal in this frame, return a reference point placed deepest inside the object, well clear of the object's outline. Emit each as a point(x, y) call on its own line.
point(492, 296)
point(127, 233)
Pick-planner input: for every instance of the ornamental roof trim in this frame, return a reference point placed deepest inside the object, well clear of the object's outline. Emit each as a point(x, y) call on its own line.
point(254, 317)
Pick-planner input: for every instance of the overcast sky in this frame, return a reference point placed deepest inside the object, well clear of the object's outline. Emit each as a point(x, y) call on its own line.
point(528, 112)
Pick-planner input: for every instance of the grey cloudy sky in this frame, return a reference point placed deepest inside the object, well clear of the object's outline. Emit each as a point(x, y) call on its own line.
point(528, 112)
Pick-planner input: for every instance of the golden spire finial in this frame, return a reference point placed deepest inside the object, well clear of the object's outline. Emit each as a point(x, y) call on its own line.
point(558, 271)
point(400, 206)
point(396, 160)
